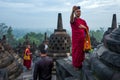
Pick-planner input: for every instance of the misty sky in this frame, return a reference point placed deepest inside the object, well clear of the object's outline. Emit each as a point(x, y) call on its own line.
point(42, 14)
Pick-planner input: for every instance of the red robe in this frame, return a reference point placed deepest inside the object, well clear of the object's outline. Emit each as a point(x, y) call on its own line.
point(27, 63)
point(78, 36)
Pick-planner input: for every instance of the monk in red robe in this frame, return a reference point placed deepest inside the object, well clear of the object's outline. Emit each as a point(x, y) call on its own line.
point(78, 27)
point(27, 63)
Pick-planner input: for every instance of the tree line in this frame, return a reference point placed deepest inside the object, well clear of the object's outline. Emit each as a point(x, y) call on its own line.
point(37, 38)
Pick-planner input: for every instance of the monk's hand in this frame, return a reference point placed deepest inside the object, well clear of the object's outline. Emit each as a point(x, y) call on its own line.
point(82, 26)
point(74, 8)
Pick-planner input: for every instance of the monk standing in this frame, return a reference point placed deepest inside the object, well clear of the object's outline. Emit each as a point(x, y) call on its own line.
point(78, 27)
point(27, 63)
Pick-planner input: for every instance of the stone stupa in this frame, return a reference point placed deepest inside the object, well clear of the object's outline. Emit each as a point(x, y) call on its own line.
point(104, 62)
point(59, 41)
point(10, 62)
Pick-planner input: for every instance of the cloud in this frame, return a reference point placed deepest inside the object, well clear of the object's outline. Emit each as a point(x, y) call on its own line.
point(36, 12)
point(15, 5)
point(55, 5)
point(36, 5)
point(91, 4)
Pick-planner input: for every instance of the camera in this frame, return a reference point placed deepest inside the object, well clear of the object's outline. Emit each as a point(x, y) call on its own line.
point(78, 7)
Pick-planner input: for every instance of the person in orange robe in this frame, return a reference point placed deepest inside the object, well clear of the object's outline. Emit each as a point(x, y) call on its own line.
point(27, 63)
point(78, 27)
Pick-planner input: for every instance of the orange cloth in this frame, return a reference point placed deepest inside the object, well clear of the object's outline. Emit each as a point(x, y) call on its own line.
point(87, 42)
point(27, 63)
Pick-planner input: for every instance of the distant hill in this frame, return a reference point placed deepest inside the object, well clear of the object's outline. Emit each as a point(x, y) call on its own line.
point(18, 33)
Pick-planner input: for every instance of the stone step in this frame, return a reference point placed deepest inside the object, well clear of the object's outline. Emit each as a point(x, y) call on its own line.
point(26, 76)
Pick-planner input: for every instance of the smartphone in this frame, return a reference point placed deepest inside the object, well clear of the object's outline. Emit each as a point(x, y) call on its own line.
point(78, 7)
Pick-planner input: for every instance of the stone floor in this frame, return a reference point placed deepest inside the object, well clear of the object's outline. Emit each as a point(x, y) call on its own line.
point(28, 74)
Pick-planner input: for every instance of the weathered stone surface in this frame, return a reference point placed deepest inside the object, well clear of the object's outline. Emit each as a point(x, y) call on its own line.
point(65, 70)
point(100, 70)
point(87, 74)
point(112, 40)
point(10, 63)
point(110, 29)
point(111, 59)
point(59, 43)
point(112, 44)
point(5, 59)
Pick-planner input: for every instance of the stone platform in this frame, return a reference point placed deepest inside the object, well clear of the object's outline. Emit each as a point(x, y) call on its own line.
point(65, 70)
point(28, 75)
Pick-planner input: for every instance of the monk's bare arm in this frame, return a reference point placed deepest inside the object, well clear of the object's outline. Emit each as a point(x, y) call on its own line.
point(72, 17)
point(82, 26)
point(72, 14)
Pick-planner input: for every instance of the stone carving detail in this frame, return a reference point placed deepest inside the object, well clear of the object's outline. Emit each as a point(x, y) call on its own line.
point(10, 62)
point(112, 40)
